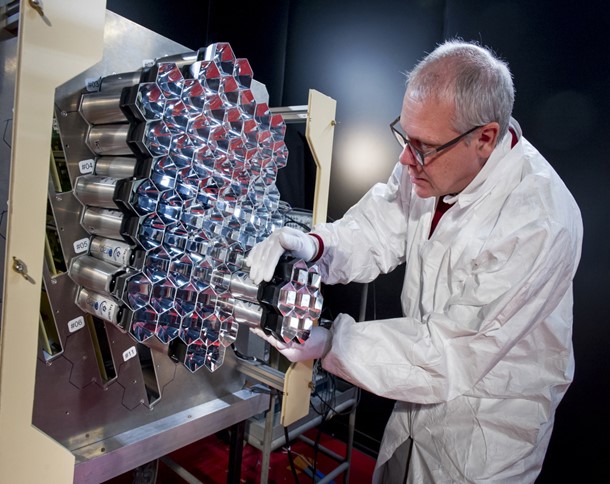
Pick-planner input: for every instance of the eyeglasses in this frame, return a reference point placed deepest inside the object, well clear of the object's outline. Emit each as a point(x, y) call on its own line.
point(418, 154)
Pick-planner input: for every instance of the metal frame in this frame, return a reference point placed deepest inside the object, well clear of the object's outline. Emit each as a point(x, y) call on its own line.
point(109, 425)
point(120, 453)
point(267, 434)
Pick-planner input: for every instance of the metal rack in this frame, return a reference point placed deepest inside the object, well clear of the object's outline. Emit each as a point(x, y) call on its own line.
point(265, 433)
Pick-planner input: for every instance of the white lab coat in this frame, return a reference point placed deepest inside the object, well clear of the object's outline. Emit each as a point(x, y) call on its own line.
point(483, 354)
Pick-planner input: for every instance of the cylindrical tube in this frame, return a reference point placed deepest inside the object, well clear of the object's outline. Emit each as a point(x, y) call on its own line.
point(242, 287)
point(104, 307)
point(109, 140)
point(181, 60)
point(118, 253)
point(103, 222)
point(95, 190)
point(102, 107)
point(115, 166)
point(116, 82)
point(93, 273)
point(247, 313)
point(243, 312)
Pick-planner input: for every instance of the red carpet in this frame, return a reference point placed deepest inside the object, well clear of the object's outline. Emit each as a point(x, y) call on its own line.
point(207, 460)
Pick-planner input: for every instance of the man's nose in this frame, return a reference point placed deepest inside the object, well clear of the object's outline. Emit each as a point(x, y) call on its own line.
point(407, 157)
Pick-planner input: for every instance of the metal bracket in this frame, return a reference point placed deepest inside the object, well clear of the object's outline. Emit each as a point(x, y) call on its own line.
point(291, 114)
point(262, 373)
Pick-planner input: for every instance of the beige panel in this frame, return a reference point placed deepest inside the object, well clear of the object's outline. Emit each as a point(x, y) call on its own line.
point(319, 132)
point(52, 49)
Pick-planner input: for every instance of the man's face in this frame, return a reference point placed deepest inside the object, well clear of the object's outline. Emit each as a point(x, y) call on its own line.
point(427, 125)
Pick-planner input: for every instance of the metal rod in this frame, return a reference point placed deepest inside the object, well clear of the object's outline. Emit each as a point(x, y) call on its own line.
point(262, 373)
point(181, 471)
point(324, 450)
point(291, 114)
point(267, 437)
point(343, 467)
point(236, 447)
point(351, 427)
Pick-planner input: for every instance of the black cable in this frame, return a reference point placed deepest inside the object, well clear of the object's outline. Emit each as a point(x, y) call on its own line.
point(290, 458)
point(241, 356)
point(296, 222)
point(328, 404)
point(316, 444)
point(316, 448)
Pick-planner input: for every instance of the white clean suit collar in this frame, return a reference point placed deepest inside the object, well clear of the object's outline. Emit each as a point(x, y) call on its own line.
point(498, 167)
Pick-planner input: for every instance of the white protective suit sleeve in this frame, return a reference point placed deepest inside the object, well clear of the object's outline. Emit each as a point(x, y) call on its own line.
point(519, 277)
point(369, 239)
point(436, 360)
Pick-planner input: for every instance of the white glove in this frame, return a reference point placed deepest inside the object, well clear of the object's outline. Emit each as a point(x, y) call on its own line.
point(315, 347)
point(264, 256)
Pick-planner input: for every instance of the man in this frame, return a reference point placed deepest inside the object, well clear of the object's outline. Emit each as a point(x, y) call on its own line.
point(491, 238)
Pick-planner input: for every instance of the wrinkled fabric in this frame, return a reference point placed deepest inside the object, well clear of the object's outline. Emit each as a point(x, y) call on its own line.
point(483, 354)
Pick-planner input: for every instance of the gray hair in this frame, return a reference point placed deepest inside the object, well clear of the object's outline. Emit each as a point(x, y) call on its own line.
point(472, 77)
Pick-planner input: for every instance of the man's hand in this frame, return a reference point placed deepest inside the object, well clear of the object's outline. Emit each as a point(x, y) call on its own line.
point(315, 347)
point(265, 255)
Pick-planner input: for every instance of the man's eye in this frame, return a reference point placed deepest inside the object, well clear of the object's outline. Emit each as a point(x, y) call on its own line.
point(418, 145)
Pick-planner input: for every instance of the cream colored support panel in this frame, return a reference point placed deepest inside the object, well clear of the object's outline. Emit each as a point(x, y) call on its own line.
point(55, 44)
point(319, 131)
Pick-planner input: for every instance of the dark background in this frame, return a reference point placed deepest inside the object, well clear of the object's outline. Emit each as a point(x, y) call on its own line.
point(356, 52)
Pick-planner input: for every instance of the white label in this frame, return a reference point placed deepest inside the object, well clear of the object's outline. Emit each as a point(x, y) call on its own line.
point(76, 324)
point(93, 83)
point(148, 63)
point(81, 246)
point(116, 252)
point(105, 308)
point(128, 354)
point(98, 305)
point(86, 166)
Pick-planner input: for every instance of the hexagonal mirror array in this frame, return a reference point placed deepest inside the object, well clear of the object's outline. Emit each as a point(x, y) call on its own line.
point(292, 303)
point(185, 188)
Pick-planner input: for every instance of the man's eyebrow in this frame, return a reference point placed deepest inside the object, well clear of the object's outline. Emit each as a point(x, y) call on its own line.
point(419, 141)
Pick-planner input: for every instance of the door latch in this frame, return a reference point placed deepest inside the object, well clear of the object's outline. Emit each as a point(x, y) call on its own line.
point(21, 268)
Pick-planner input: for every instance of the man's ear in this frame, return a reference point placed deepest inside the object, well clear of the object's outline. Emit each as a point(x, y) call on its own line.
point(487, 140)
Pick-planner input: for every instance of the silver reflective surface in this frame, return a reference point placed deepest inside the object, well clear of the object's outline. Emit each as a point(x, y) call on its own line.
point(300, 302)
point(197, 196)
